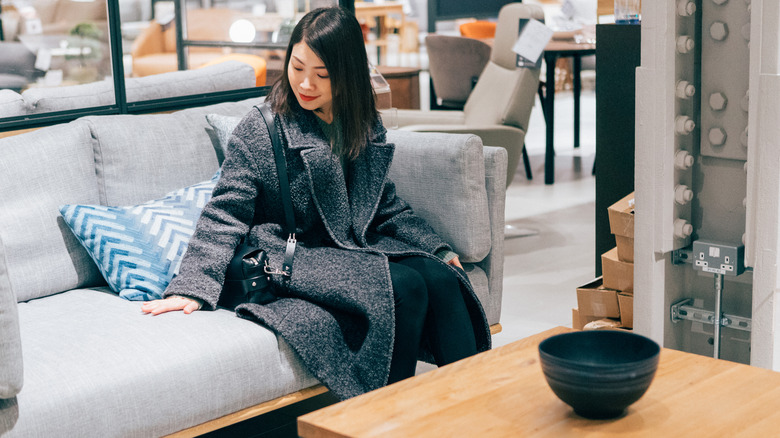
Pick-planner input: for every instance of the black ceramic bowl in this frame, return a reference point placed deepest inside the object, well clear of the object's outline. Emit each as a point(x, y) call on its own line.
point(599, 372)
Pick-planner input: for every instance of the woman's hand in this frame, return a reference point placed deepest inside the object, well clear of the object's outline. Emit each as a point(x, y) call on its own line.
point(156, 307)
point(455, 262)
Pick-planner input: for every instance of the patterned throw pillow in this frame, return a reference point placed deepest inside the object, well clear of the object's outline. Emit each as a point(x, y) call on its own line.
point(138, 248)
point(223, 127)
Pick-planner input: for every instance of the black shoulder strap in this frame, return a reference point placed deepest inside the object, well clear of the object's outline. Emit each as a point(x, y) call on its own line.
point(284, 186)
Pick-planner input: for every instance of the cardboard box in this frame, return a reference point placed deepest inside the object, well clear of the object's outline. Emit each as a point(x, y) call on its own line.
point(576, 324)
point(625, 248)
point(594, 301)
point(578, 321)
point(617, 275)
point(621, 217)
point(626, 304)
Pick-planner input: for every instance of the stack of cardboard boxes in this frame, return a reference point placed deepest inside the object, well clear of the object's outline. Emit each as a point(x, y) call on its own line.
point(608, 301)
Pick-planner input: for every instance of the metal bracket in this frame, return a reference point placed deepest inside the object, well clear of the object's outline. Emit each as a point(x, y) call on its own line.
point(683, 310)
point(682, 255)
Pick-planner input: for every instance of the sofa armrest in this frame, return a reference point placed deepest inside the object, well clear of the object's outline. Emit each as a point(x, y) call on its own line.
point(509, 137)
point(493, 264)
point(402, 118)
point(11, 369)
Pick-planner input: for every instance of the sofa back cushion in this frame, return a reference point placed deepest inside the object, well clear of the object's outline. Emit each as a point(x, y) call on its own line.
point(39, 172)
point(142, 157)
point(442, 176)
point(228, 75)
point(11, 104)
point(48, 99)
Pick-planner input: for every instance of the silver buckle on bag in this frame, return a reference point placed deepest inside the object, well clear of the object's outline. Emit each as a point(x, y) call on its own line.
point(288, 256)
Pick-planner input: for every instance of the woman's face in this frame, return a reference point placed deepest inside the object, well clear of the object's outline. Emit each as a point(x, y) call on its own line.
point(310, 82)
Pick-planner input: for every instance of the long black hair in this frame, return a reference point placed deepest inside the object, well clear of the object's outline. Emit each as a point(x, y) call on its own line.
point(334, 35)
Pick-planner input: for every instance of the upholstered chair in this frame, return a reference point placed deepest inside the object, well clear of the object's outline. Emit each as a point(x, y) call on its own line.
point(499, 107)
point(452, 86)
point(154, 51)
point(478, 29)
point(17, 66)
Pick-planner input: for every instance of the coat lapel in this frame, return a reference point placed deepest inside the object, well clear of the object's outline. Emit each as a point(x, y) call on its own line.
point(366, 182)
point(323, 169)
point(342, 205)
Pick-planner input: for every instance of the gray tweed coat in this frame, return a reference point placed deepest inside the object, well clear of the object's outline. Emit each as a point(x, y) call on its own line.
point(337, 310)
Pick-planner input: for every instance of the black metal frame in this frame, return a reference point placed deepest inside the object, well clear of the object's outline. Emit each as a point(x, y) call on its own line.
point(434, 15)
point(2, 37)
point(121, 106)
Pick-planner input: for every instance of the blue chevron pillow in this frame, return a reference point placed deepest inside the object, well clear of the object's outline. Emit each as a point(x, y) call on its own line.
point(138, 248)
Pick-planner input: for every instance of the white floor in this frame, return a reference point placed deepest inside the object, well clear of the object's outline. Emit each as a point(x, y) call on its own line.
point(542, 272)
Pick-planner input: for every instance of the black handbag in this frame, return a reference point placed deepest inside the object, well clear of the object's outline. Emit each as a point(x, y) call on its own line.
point(248, 276)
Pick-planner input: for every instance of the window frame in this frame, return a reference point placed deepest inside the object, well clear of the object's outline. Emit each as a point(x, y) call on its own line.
point(121, 106)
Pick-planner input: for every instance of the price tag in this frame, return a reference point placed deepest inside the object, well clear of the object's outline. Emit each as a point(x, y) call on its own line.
point(43, 60)
point(53, 78)
point(568, 9)
point(533, 38)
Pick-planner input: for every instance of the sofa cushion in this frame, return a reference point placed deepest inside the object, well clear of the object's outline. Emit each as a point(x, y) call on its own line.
point(139, 158)
point(48, 99)
point(138, 248)
point(449, 193)
point(223, 128)
point(11, 104)
point(39, 172)
point(228, 75)
point(143, 157)
point(442, 176)
point(11, 370)
point(96, 366)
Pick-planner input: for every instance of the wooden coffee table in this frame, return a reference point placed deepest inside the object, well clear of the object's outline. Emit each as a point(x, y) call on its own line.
point(502, 393)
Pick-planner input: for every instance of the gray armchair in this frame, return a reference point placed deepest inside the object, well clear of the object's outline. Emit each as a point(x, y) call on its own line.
point(452, 86)
point(499, 107)
point(17, 66)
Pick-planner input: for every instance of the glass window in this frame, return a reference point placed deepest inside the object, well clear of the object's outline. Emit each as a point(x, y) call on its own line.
point(57, 61)
point(252, 33)
point(54, 56)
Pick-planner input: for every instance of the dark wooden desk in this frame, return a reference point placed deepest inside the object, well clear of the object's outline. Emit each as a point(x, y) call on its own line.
point(404, 85)
point(553, 51)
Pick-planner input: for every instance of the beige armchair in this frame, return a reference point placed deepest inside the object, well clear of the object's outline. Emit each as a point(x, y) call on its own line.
point(154, 51)
point(451, 87)
point(499, 107)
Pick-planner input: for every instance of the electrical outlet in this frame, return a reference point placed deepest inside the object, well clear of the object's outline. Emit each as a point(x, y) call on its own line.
point(718, 257)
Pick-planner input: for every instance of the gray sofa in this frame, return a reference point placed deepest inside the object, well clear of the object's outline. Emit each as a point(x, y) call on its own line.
point(228, 75)
point(77, 360)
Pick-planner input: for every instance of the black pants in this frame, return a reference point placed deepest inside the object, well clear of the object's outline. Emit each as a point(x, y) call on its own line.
point(428, 303)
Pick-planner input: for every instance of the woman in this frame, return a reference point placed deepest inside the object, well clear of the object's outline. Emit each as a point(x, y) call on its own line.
point(373, 287)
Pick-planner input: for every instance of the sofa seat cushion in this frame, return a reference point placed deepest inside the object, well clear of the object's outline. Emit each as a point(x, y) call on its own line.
point(95, 365)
